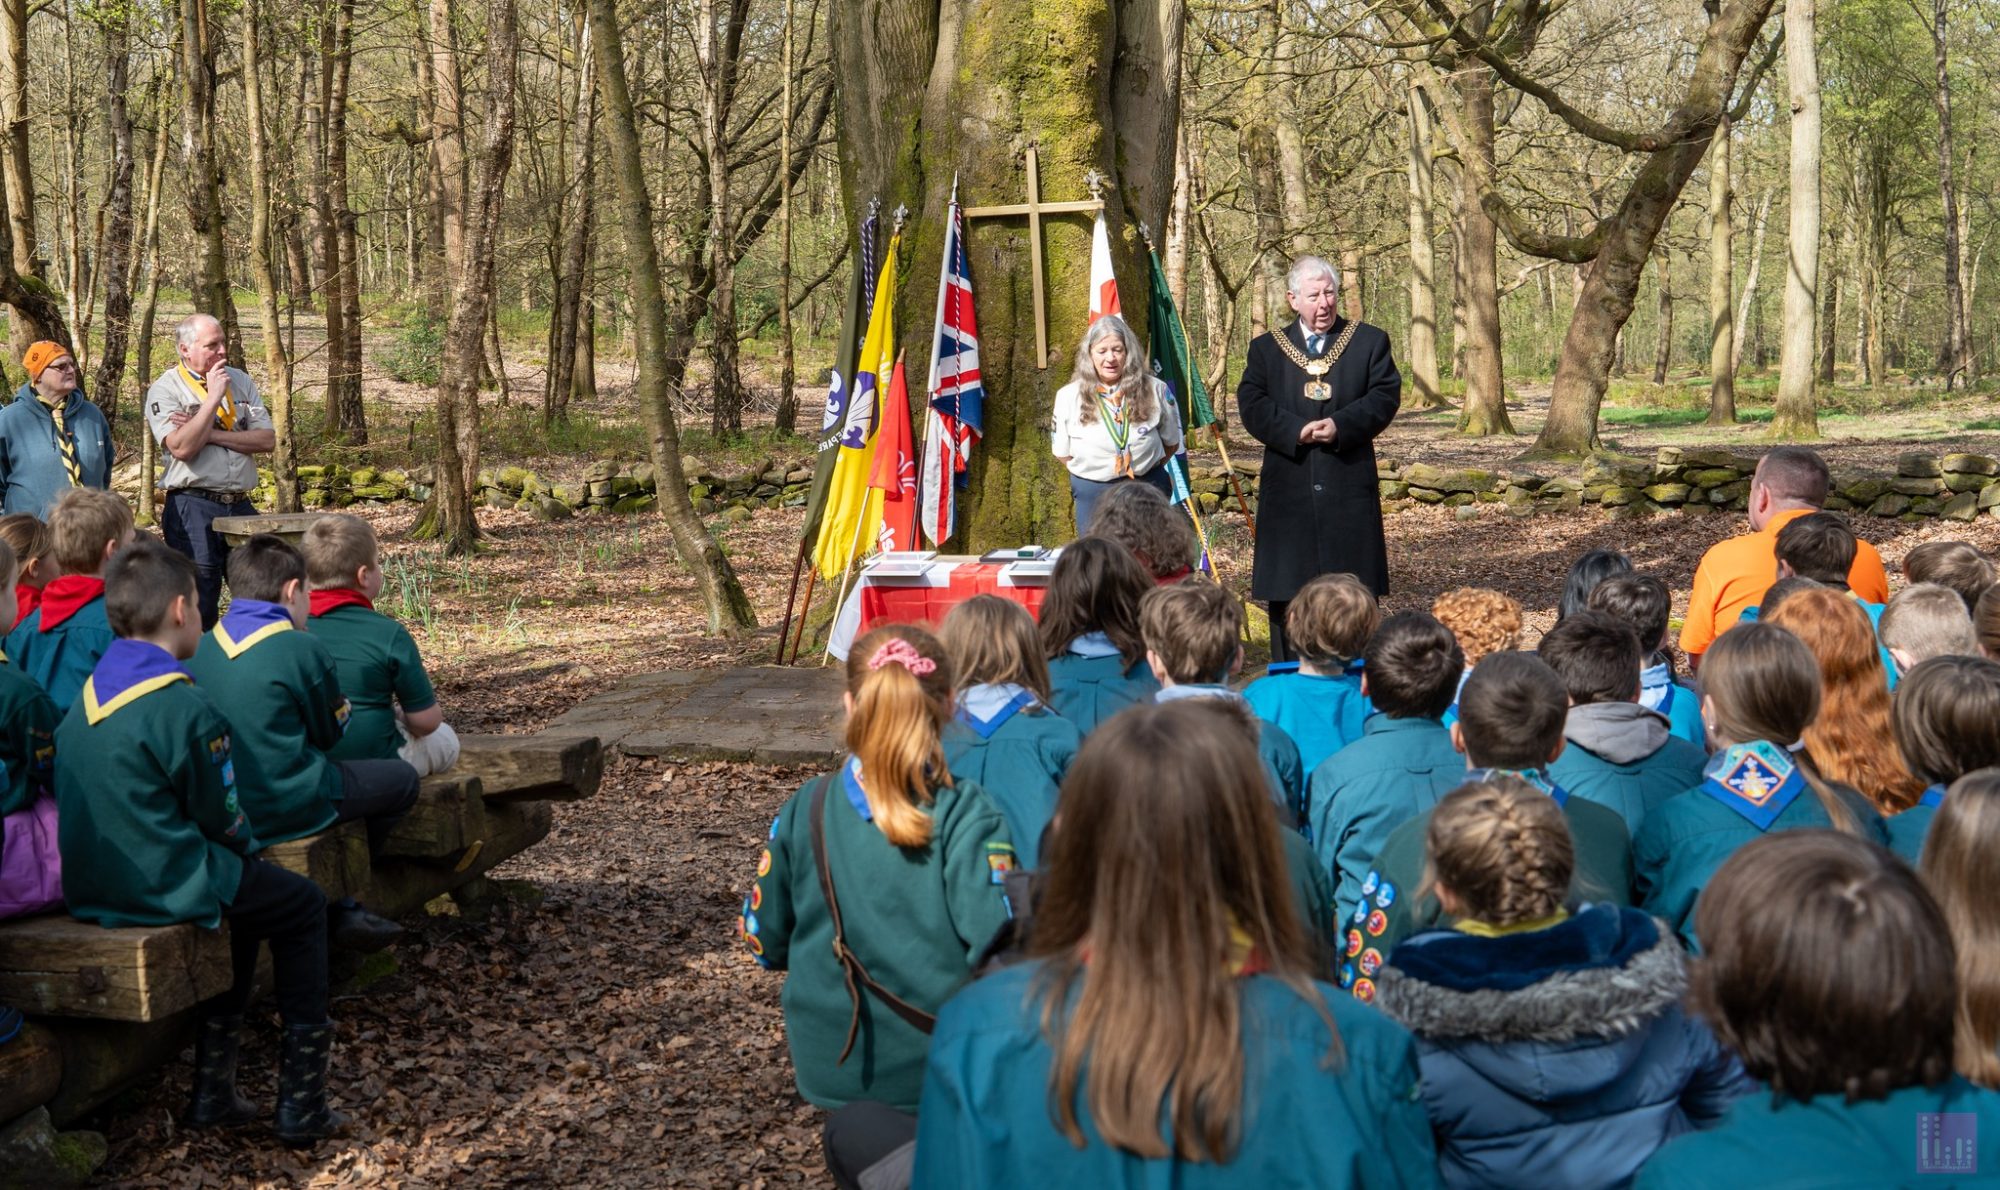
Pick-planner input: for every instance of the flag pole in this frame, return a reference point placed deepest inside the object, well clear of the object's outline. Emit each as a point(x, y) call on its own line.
point(1222, 444)
point(785, 630)
point(799, 638)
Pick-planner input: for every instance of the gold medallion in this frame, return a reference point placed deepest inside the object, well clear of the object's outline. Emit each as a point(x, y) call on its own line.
point(1319, 390)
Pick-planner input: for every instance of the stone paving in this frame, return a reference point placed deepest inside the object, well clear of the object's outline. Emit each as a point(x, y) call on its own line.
point(767, 714)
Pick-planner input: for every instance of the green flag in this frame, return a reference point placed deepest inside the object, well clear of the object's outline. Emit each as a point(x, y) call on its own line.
point(840, 385)
point(1172, 361)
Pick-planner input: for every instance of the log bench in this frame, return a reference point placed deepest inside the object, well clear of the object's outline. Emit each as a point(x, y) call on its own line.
point(110, 1004)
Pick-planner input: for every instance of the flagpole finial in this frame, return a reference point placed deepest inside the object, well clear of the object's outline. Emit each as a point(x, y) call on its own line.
point(874, 206)
point(899, 216)
point(1095, 181)
point(1146, 234)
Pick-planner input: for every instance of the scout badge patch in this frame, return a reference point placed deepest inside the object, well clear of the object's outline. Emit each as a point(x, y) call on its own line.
point(1757, 780)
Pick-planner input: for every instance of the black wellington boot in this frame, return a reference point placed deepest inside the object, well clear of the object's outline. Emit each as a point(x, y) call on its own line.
point(303, 1116)
point(350, 927)
point(216, 1101)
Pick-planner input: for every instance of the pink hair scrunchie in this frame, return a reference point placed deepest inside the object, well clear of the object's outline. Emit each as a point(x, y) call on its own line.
point(897, 651)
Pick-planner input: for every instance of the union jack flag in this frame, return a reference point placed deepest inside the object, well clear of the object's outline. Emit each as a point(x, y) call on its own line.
point(957, 395)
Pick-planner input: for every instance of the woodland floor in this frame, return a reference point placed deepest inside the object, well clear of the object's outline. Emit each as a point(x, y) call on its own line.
point(614, 1034)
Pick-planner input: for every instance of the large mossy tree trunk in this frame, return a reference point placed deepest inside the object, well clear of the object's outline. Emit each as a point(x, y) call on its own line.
point(929, 91)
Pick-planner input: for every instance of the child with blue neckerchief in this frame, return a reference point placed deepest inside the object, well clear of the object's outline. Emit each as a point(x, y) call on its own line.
point(1946, 716)
point(1645, 605)
point(1089, 626)
point(1760, 690)
point(1317, 700)
point(1003, 736)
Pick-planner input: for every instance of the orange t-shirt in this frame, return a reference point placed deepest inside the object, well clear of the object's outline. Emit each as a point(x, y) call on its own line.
point(1734, 575)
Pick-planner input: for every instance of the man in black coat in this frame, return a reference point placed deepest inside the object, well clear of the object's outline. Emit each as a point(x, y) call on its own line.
point(1315, 394)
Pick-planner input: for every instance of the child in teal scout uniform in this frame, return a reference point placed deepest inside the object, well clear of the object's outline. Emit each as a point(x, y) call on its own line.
point(1403, 762)
point(1525, 1084)
point(286, 707)
point(1645, 605)
point(1957, 867)
point(396, 715)
point(1318, 700)
point(1089, 626)
point(1926, 620)
point(1237, 1082)
point(1828, 969)
point(1812, 547)
point(1946, 716)
point(1619, 754)
point(916, 862)
point(1511, 715)
point(27, 722)
point(1194, 643)
point(1003, 737)
point(1760, 689)
point(59, 643)
point(152, 834)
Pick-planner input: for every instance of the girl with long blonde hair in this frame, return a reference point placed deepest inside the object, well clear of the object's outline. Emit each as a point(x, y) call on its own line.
point(1167, 1026)
point(880, 883)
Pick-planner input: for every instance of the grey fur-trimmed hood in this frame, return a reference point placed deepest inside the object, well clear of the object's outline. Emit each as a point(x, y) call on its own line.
point(1545, 994)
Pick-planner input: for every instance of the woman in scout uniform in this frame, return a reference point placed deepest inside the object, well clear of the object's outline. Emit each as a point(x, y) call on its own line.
point(1828, 970)
point(1760, 691)
point(52, 438)
point(1003, 736)
point(1960, 865)
point(1114, 421)
point(1167, 1027)
point(1553, 1045)
point(1947, 723)
point(880, 884)
point(1089, 627)
point(1316, 393)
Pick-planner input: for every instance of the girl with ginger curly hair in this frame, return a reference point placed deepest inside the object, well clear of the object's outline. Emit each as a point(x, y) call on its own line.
point(1850, 740)
point(1484, 621)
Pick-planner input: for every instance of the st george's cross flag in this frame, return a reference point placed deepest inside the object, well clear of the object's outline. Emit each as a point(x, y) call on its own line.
point(957, 402)
point(1103, 281)
point(853, 513)
point(895, 473)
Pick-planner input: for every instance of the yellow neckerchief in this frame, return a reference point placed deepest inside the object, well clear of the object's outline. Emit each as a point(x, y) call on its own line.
point(233, 648)
point(225, 412)
point(97, 712)
point(1487, 930)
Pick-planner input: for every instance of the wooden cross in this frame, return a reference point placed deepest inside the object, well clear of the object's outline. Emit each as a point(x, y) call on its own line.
point(1034, 209)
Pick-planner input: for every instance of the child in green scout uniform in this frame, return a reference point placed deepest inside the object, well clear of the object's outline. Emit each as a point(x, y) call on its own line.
point(1760, 688)
point(395, 711)
point(1511, 713)
point(880, 884)
point(1829, 970)
point(1090, 633)
point(1003, 738)
point(60, 641)
point(1946, 716)
point(1620, 754)
point(27, 722)
point(1194, 643)
point(287, 712)
point(1403, 762)
point(1167, 1028)
point(35, 566)
point(1958, 869)
point(152, 834)
point(1318, 700)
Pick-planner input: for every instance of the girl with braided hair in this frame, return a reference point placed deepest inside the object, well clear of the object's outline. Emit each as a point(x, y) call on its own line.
point(1550, 1034)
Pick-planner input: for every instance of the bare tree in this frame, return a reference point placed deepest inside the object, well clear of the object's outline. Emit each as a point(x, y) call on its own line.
point(1797, 413)
point(1721, 285)
point(1423, 260)
point(277, 361)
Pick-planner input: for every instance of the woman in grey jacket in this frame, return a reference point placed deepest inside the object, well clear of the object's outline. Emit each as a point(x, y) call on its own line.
point(1554, 1048)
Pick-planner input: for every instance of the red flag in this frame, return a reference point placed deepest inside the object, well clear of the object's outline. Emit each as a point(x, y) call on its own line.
point(895, 470)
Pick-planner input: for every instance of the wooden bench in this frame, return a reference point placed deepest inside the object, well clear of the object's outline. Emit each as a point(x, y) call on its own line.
point(111, 1004)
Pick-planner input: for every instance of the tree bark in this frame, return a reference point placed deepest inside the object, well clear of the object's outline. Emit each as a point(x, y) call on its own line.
point(787, 418)
point(212, 293)
point(149, 255)
point(116, 264)
point(1957, 355)
point(16, 164)
point(1485, 409)
point(449, 516)
point(1423, 357)
point(573, 276)
point(728, 607)
point(718, 44)
point(1747, 303)
point(447, 154)
point(1094, 84)
point(1721, 285)
point(1832, 294)
point(277, 363)
point(346, 418)
point(1663, 350)
point(1797, 414)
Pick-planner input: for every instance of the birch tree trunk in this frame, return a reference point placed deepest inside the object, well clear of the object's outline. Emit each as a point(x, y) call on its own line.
point(1957, 355)
point(1663, 351)
point(728, 607)
point(447, 153)
point(1797, 414)
point(277, 388)
point(1748, 301)
point(1423, 351)
point(449, 516)
point(1721, 284)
